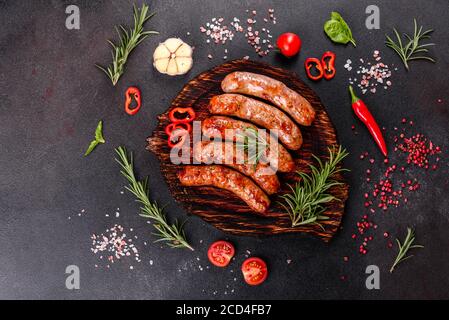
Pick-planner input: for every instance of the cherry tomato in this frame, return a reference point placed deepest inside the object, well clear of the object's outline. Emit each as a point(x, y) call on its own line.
point(254, 271)
point(220, 253)
point(289, 44)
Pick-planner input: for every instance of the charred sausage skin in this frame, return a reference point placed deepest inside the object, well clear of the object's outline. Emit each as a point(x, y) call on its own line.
point(228, 179)
point(216, 126)
point(259, 113)
point(271, 90)
point(218, 152)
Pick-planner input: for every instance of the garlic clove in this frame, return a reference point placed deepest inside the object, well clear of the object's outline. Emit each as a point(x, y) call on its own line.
point(173, 44)
point(172, 68)
point(184, 51)
point(184, 64)
point(161, 52)
point(161, 64)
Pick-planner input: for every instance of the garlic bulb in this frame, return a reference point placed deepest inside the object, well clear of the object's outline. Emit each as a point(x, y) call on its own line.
point(173, 57)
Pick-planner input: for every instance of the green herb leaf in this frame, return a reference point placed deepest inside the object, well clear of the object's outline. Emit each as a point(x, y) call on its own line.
point(338, 30)
point(98, 139)
point(99, 132)
point(173, 234)
point(409, 51)
point(128, 41)
point(91, 148)
point(306, 202)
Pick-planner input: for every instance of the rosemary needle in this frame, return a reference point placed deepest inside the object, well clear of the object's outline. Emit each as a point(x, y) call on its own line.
point(306, 202)
point(412, 50)
point(404, 248)
point(129, 39)
point(173, 234)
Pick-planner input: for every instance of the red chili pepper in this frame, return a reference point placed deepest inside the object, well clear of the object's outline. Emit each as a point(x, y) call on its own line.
point(131, 93)
point(309, 64)
point(187, 113)
point(177, 138)
point(362, 112)
point(181, 125)
point(328, 64)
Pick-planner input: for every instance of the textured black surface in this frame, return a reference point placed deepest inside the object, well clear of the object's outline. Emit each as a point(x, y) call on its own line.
point(52, 97)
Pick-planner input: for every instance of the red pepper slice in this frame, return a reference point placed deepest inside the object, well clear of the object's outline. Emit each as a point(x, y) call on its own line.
point(181, 125)
point(186, 115)
point(177, 138)
point(328, 64)
point(131, 93)
point(362, 112)
point(309, 64)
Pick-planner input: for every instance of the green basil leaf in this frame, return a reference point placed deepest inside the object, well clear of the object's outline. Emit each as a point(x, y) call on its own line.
point(335, 32)
point(338, 30)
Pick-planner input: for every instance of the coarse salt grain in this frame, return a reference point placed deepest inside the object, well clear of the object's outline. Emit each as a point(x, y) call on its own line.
point(114, 244)
point(373, 74)
point(218, 32)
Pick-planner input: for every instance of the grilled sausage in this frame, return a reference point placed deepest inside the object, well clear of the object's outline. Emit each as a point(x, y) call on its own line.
point(272, 90)
point(226, 153)
point(216, 126)
point(261, 114)
point(228, 179)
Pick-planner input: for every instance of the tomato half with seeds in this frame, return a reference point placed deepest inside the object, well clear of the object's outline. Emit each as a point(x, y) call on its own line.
point(220, 253)
point(254, 271)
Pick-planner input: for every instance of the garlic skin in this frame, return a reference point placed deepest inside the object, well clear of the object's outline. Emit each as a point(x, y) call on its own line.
point(173, 57)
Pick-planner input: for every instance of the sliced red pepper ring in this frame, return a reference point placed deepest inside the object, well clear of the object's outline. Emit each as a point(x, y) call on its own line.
point(328, 64)
point(132, 93)
point(182, 115)
point(311, 63)
point(177, 138)
point(180, 125)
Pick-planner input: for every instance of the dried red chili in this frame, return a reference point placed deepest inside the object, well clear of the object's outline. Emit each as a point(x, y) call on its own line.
point(177, 138)
point(131, 94)
point(328, 64)
point(362, 112)
point(180, 125)
point(309, 64)
point(182, 115)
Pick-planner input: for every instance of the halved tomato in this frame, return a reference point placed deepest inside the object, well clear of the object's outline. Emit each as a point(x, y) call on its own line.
point(254, 271)
point(220, 253)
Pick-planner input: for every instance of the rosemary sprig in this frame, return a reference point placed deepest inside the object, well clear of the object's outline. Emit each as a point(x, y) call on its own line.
point(129, 39)
point(412, 50)
point(306, 202)
point(254, 144)
point(404, 248)
point(173, 234)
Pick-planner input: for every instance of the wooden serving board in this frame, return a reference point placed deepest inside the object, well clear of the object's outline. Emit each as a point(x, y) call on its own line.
point(223, 209)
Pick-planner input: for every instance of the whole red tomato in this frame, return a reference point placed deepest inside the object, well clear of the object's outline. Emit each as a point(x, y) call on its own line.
point(289, 44)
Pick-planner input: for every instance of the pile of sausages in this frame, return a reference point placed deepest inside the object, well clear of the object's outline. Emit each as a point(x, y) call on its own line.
point(283, 111)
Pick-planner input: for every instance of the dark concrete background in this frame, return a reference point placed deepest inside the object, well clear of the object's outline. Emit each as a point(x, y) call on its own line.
point(52, 97)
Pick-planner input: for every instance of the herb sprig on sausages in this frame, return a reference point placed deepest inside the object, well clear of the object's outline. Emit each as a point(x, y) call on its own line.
point(306, 202)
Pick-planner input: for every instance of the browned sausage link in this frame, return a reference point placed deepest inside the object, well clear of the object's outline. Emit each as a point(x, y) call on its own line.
point(226, 153)
point(216, 126)
point(272, 90)
point(228, 179)
point(259, 113)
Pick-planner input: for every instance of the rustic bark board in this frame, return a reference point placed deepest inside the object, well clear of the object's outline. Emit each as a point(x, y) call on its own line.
point(222, 208)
